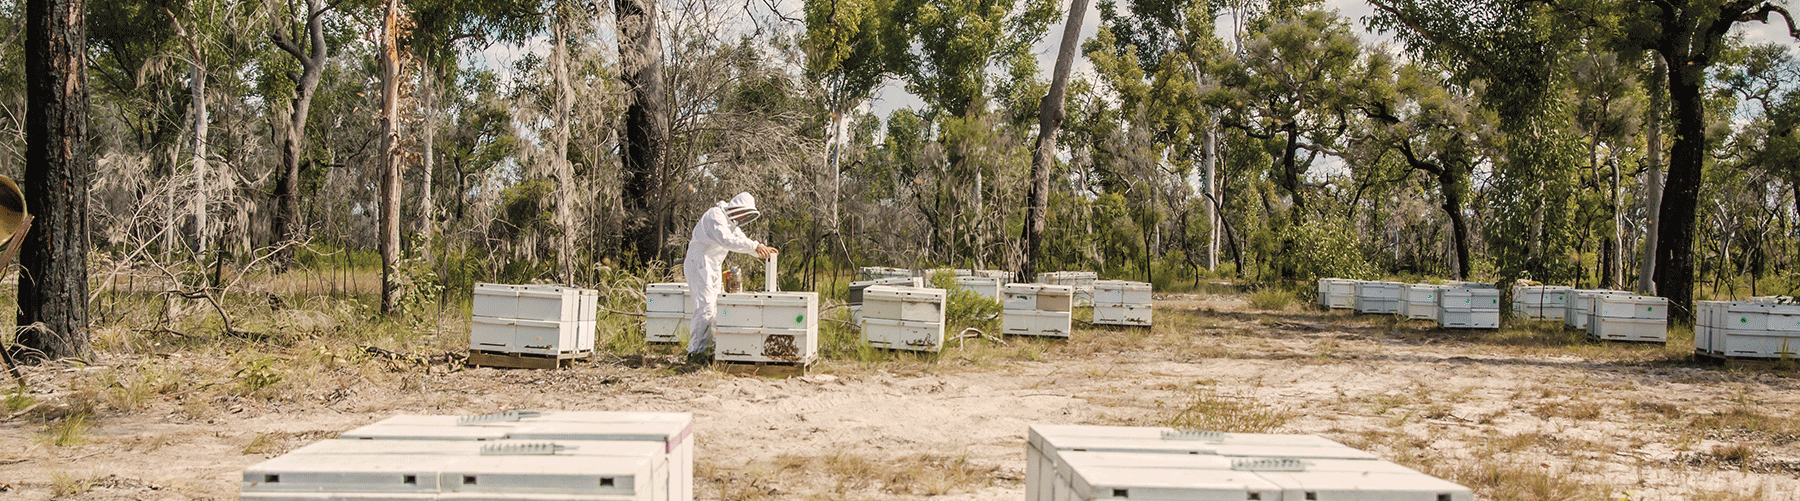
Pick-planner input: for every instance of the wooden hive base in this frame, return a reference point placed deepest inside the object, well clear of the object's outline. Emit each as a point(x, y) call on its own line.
point(766, 369)
point(479, 358)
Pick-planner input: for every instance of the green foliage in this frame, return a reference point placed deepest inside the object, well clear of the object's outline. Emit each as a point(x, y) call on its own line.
point(1271, 299)
point(17, 400)
point(255, 374)
point(1320, 249)
point(964, 308)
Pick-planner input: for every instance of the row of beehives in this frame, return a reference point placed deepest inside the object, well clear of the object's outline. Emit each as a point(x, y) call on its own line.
point(644, 456)
point(533, 320)
point(1763, 327)
point(1457, 305)
point(893, 312)
point(1081, 281)
point(1602, 313)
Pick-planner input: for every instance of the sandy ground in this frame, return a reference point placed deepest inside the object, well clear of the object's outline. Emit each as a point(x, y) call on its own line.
point(1518, 423)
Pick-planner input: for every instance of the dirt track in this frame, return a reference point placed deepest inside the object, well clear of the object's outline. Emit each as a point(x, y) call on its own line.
point(1515, 419)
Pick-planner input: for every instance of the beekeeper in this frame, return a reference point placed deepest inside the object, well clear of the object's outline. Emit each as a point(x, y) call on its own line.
point(717, 235)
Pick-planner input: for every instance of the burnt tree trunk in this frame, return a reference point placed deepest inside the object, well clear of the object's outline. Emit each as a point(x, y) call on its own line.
point(1449, 181)
point(646, 124)
point(1681, 192)
point(53, 287)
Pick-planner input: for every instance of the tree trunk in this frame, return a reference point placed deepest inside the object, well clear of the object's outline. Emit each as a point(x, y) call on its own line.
point(197, 89)
point(428, 83)
point(1449, 182)
point(1212, 199)
point(646, 123)
point(1675, 241)
point(53, 287)
point(390, 158)
point(1653, 182)
point(565, 172)
point(285, 223)
point(1615, 258)
point(1043, 158)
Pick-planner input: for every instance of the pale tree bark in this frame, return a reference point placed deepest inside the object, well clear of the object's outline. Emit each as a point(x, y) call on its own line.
point(196, 95)
point(284, 226)
point(53, 286)
point(1211, 143)
point(1050, 120)
point(427, 156)
point(390, 157)
point(1653, 181)
point(563, 171)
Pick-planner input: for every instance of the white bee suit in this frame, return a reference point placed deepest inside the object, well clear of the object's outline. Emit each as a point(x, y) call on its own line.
point(715, 237)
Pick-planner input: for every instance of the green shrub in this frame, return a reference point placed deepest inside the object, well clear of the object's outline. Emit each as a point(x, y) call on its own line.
point(964, 308)
point(1271, 299)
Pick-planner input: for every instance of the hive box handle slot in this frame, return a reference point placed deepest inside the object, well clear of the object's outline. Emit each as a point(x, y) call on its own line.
point(468, 480)
point(1121, 493)
point(271, 479)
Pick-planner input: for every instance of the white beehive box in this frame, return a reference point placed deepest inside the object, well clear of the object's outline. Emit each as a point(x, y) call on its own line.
point(1003, 275)
point(857, 288)
point(1541, 301)
point(1420, 301)
point(667, 297)
point(903, 318)
point(1629, 318)
point(665, 327)
point(987, 287)
point(1082, 282)
point(1339, 293)
point(879, 272)
point(915, 304)
point(1037, 297)
point(780, 327)
point(1130, 314)
point(1581, 305)
point(359, 468)
point(1037, 323)
point(1469, 308)
point(1045, 445)
point(1773, 299)
point(666, 438)
point(555, 303)
point(1099, 475)
point(1121, 292)
point(1744, 329)
point(1378, 297)
point(496, 300)
point(509, 335)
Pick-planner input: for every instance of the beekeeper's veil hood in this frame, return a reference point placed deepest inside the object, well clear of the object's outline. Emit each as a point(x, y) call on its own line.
point(743, 205)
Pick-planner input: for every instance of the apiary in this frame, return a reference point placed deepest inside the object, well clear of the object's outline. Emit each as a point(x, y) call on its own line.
point(1420, 301)
point(1037, 310)
point(1541, 301)
point(1629, 318)
point(904, 318)
point(1057, 454)
point(511, 323)
point(512, 455)
point(1120, 302)
point(879, 272)
point(780, 327)
point(1461, 308)
point(1581, 305)
point(1378, 297)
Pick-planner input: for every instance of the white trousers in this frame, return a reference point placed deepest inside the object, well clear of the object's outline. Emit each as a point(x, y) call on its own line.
point(700, 328)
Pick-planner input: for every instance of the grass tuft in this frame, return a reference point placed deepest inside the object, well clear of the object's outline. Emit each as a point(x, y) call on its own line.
point(1208, 410)
point(1272, 300)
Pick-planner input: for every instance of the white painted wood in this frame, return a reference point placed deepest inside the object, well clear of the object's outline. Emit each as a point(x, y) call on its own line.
point(902, 334)
point(1135, 314)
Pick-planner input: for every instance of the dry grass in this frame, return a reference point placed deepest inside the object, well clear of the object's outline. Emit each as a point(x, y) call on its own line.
point(1206, 409)
point(849, 475)
point(1272, 300)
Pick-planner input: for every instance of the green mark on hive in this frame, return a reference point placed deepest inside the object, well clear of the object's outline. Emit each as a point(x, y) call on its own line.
point(800, 319)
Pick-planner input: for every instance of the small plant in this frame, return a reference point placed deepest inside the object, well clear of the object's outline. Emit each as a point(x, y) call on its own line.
point(1211, 411)
point(256, 374)
point(67, 432)
point(1271, 299)
point(262, 443)
point(65, 485)
point(17, 400)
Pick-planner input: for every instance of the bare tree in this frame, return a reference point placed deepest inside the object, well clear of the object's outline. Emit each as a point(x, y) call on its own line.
point(1050, 120)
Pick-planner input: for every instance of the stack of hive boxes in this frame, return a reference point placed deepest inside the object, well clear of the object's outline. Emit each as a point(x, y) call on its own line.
point(511, 456)
point(1337, 293)
point(1081, 281)
point(1581, 306)
point(1120, 302)
point(1420, 301)
point(777, 327)
point(1469, 308)
point(533, 320)
point(1746, 329)
point(879, 272)
point(1085, 463)
point(667, 311)
point(1541, 302)
point(855, 298)
point(1378, 297)
point(1626, 317)
point(903, 318)
point(1037, 310)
